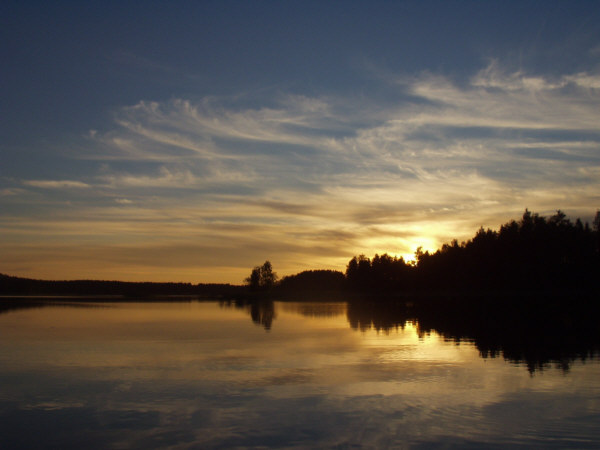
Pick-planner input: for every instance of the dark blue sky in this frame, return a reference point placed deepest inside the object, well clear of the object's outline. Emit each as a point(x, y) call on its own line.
point(92, 57)
point(283, 99)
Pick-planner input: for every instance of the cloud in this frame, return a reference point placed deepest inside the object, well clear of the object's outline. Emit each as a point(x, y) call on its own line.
point(166, 178)
point(11, 192)
point(56, 184)
point(245, 183)
point(494, 76)
point(585, 80)
point(175, 178)
point(181, 125)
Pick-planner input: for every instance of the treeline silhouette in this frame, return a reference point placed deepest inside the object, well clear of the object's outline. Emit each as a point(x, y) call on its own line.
point(527, 292)
point(17, 286)
point(534, 254)
point(312, 285)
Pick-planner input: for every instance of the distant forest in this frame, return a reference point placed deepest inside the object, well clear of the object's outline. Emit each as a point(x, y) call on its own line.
point(534, 254)
point(29, 287)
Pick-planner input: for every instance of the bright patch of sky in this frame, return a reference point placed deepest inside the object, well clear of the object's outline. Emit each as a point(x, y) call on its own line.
point(169, 141)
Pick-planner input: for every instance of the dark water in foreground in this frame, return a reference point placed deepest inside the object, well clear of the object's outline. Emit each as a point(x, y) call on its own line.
point(298, 375)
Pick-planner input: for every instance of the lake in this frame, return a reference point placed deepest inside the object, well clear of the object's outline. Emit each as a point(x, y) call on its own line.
point(194, 374)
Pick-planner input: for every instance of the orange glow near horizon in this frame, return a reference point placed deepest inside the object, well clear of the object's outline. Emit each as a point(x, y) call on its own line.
point(195, 260)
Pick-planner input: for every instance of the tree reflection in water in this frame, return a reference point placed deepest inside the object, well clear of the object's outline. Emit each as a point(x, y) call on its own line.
point(540, 332)
point(537, 331)
point(262, 311)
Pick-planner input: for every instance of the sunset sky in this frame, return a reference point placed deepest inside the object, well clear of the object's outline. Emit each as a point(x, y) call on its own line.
point(191, 141)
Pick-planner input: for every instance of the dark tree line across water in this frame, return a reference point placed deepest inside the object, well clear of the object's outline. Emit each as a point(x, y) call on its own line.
point(527, 292)
point(29, 287)
point(534, 254)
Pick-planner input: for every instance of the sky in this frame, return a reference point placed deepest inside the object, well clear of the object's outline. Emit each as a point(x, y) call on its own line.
point(192, 141)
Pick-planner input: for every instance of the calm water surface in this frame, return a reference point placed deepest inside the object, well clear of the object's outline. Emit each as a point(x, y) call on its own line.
point(292, 375)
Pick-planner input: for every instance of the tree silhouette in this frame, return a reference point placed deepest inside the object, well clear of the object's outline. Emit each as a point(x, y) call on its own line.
point(267, 276)
point(313, 281)
point(533, 254)
point(262, 277)
point(597, 230)
point(383, 273)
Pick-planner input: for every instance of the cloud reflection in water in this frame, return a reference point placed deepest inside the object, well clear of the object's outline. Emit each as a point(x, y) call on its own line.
point(200, 375)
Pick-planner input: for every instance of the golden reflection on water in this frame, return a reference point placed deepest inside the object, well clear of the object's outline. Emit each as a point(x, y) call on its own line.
point(181, 361)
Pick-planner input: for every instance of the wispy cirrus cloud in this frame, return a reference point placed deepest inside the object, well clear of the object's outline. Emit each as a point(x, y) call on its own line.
point(272, 179)
point(11, 191)
point(56, 184)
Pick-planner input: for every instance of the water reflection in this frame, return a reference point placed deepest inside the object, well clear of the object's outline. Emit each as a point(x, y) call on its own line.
point(8, 304)
point(321, 309)
point(543, 336)
point(549, 334)
point(201, 375)
point(261, 311)
point(542, 333)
